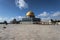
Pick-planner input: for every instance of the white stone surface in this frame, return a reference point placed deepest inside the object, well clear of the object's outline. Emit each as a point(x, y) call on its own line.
point(59, 23)
point(29, 32)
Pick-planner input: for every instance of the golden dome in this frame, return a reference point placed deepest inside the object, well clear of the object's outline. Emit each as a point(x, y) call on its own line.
point(30, 13)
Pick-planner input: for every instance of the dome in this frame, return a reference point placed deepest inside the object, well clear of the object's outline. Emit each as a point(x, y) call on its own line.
point(30, 13)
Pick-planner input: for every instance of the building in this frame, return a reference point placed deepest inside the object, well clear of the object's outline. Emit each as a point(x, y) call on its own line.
point(30, 18)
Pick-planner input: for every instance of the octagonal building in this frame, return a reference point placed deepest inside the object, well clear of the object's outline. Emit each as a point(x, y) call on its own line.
point(30, 18)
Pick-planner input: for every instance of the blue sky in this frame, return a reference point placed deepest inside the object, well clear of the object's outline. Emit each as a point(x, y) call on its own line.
point(44, 9)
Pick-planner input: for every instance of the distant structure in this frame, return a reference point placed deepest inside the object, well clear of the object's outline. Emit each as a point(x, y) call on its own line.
point(50, 22)
point(30, 18)
point(14, 21)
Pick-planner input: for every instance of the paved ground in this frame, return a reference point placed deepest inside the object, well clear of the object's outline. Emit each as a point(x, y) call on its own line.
point(29, 32)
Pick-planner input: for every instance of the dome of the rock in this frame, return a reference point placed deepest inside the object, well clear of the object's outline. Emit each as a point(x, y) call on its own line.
point(30, 13)
point(30, 18)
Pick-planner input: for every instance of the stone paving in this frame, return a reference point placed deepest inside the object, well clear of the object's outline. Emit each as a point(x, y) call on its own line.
point(29, 32)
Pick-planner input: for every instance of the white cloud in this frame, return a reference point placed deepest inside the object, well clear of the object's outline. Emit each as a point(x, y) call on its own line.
point(2, 19)
point(45, 19)
point(56, 14)
point(44, 14)
point(21, 4)
point(19, 17)
point(48, 16)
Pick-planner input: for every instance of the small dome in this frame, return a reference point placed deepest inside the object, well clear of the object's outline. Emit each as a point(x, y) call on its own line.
point(30, 13)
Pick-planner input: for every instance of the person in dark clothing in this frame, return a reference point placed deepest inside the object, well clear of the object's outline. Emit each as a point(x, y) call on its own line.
point(5, 22)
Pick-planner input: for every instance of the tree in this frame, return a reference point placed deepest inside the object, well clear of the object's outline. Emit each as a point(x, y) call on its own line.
point(14, 21)
point(53, 22)
point(5, 22)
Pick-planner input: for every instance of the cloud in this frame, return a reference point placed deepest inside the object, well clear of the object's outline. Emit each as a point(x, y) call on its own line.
point(3, 19)
point(44, 14)
point(45, 19)
point(56, 14)
point(19, 18)
point(48, 16)
point(21, 4)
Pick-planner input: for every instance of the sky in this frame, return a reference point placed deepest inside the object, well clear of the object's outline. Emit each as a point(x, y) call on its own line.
point(44, 9)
